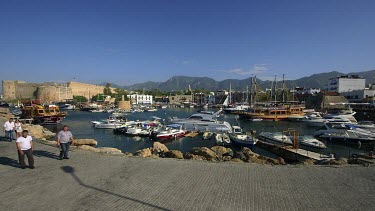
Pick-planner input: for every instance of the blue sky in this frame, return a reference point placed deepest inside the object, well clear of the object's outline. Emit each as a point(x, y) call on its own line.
point(127, 42)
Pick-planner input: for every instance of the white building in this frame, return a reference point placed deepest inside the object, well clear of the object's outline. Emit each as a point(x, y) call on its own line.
point(346, 83)
point(359, 95)
point(140, 99)
point(306, 91)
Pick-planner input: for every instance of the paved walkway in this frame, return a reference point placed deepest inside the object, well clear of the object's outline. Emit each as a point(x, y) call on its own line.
point(89, 181)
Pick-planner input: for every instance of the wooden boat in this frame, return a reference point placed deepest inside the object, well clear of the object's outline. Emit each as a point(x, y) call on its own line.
point(283, 112)
point(48, 114)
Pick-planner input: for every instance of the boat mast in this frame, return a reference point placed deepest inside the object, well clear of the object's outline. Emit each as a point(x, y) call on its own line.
point(230, 93)
point(283, 88)
point(274, 87)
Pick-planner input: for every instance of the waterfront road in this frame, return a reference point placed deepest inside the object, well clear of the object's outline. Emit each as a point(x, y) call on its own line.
point(90, 181)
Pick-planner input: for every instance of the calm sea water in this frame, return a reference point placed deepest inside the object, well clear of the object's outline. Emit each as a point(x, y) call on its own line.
point(80, 124)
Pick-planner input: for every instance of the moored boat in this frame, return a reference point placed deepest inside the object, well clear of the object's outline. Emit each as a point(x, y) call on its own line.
point(172, 131)
point(241, 139)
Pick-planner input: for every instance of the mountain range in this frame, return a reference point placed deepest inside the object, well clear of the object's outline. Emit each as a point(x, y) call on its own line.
point(319, 80)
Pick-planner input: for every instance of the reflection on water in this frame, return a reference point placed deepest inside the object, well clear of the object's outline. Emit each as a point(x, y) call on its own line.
point(80, 125)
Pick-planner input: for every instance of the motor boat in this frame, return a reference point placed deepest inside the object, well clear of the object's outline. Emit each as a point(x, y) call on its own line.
point(310, 141)
point(207, 135)
point(203, 123)
point(222, 139)
point(137, 131)
point(275, 137)
point(345, 133)
point(343, 114)
point(280, 138)
point(107, 125)
point(366, 124)
point(172, 131)
point(241, 139)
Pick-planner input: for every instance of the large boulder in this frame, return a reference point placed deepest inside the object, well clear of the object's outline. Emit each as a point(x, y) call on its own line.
point(174, 154)
point(249, 156)
point(237, 160)
point(90, 142)
point(190, 156)
point(222, 151)
point(144, 153)
point(88, 148)
point(205, 152)
point(38, 132)
point(106, 150)
point(158, 148)
point(109, 150)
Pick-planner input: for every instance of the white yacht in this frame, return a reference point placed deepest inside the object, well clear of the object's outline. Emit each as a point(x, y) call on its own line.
point(345, 133)
point(203, 123)
point(304, 141)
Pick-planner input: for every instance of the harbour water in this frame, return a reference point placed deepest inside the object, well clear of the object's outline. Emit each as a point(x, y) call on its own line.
point(80, 125)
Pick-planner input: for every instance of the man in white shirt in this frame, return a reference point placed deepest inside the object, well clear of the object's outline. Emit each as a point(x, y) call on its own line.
point(9, 128)
point(25, 146)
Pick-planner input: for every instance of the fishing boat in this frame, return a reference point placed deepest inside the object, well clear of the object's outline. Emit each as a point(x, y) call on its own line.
point(241, 139)
point(203, 123)
point(222, 139)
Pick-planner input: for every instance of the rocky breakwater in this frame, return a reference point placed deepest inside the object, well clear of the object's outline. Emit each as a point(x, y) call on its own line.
point(216, 153)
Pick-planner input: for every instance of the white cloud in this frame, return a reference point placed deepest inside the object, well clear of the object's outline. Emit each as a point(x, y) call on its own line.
point(257, 69)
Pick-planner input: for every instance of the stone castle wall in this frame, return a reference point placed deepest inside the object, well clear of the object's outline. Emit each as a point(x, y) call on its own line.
point(18, 89)
point(86, 90)
point(48, 92)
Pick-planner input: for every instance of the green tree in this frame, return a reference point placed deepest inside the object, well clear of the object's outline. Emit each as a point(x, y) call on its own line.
point(119, 93)
point(107, 89)
point(81, 99)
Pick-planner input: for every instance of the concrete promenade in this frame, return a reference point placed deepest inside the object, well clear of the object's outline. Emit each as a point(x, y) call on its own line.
point(90, 181)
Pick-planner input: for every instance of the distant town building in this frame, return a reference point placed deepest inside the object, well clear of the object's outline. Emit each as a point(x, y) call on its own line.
point(306, 91)
point(346, 83)
point(137, 99)
point(360, 95)
point(181, 99)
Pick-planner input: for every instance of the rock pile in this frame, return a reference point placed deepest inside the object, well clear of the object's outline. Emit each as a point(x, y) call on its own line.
point(38, 131)
point(90, 142)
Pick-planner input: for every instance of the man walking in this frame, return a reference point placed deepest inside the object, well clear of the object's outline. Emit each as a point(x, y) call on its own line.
point(25, 146)
point(64, 139)
point(8, 128)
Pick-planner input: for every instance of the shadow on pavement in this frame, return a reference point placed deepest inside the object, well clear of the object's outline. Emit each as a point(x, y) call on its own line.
point(9, 162)
point(41, 153)
point(70, 170)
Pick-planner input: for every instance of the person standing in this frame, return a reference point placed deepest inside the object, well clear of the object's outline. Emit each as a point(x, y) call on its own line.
point(18, 128)
point(64, 139)
point(8, 128)
point(25, 146)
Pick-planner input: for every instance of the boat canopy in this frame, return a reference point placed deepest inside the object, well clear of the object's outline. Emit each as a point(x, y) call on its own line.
point(174, 126)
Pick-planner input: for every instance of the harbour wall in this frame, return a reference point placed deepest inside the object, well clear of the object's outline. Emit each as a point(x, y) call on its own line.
point(48, 91)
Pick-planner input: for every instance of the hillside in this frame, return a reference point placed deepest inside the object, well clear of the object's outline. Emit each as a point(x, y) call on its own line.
point(182, 82)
